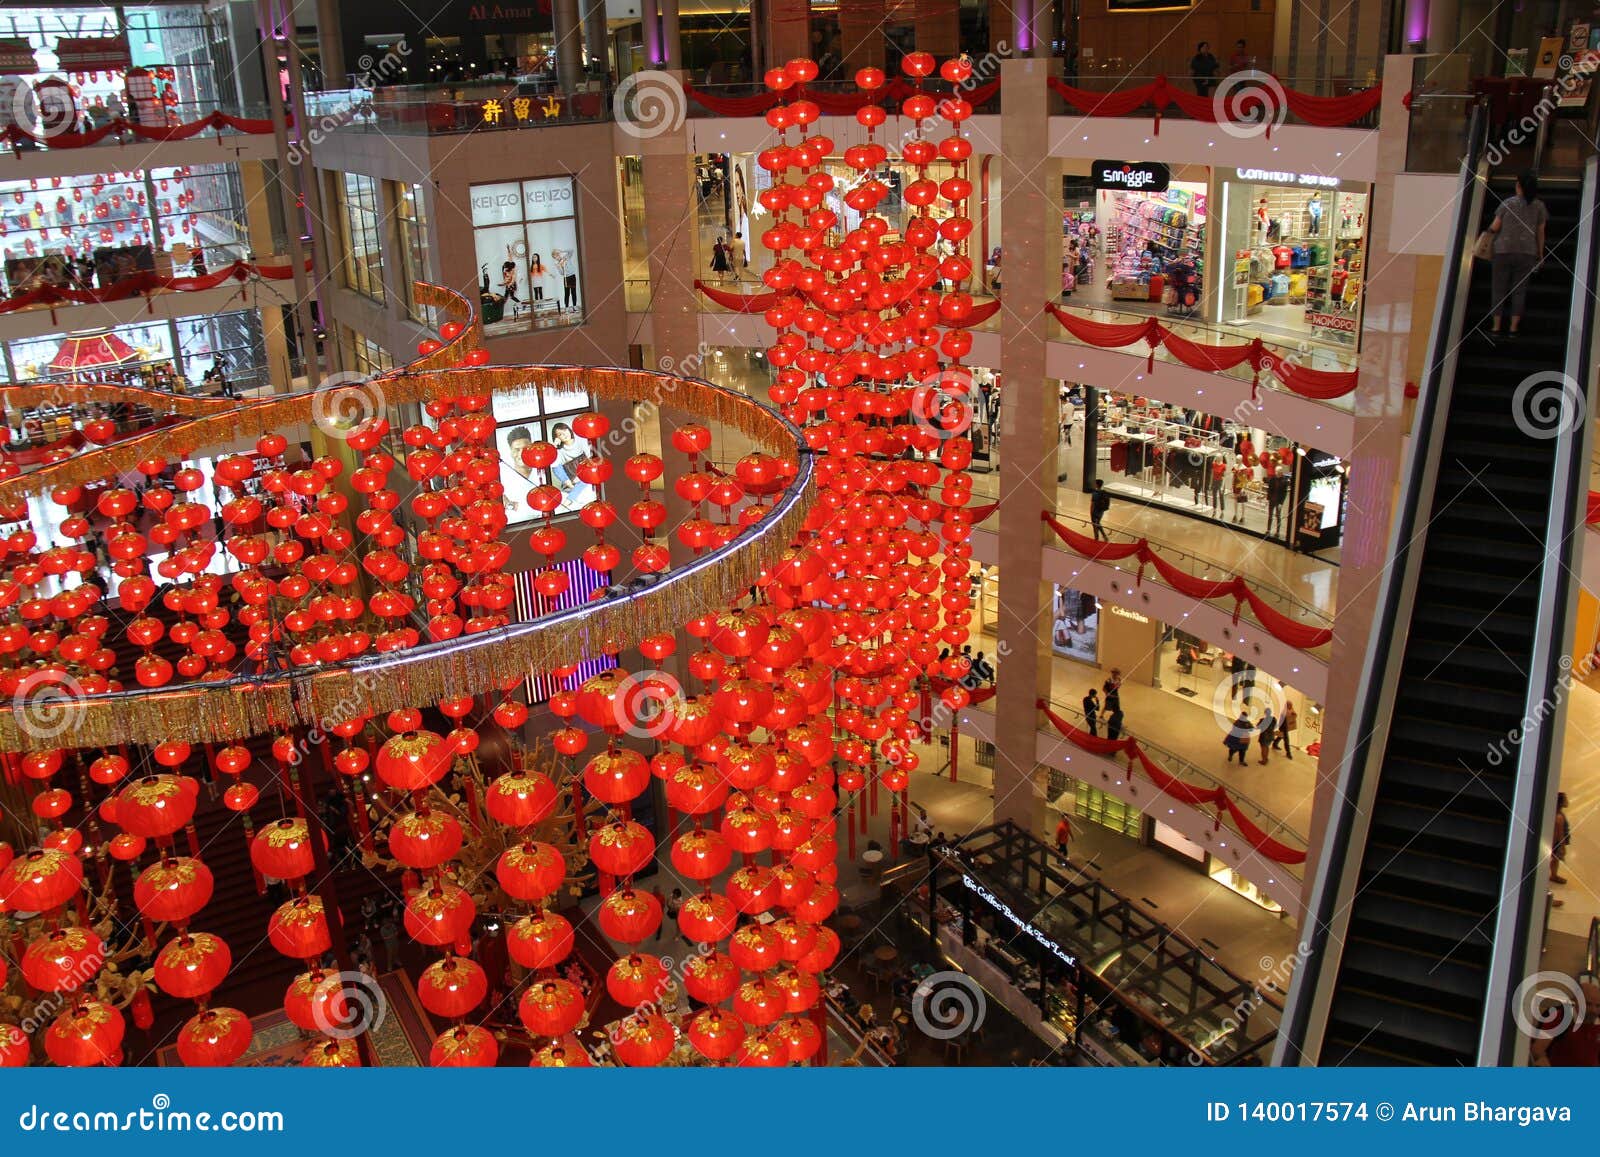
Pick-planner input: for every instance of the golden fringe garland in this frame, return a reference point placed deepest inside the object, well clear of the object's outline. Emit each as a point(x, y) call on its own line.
point(470, 664)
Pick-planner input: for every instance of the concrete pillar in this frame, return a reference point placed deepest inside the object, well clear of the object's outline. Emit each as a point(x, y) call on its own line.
point(650, 32)
point(784, 34)
point(569, 45)
point(861, 35)
point(258, 227)
point(939, 32)
point(596, 37)
point(1030, 26)
point(1030, 235)
point(671, 35)
point(668, 179)
point(330, 44)
point(1388, 323)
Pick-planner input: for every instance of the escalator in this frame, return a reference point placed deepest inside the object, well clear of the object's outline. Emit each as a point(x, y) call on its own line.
point(1430, 881)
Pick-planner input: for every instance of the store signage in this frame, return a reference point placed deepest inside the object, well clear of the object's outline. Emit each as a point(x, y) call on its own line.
point(1135, 176)
point(1004, 909)
point(1123, 613)
point(1339, 322)
point(1327, 461)
point(1274, 177)
point(495, 13)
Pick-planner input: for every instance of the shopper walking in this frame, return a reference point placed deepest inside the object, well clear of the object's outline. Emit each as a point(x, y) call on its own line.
point(1266, 732)
point(720, 264)
point(1241, 60)
point(1114, 722)
point(1099, 503)
point(1286, 727)
point(1203, 69)
point(1111, 689)
point(1518, 228)
point(1063, 834)
point(1091, 711)
point(1560, 840)
point(1237, 740)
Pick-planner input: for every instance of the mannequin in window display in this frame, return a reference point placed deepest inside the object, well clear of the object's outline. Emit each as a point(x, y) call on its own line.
point(1242, 477)
point(1314, 215)
point(1219, 473)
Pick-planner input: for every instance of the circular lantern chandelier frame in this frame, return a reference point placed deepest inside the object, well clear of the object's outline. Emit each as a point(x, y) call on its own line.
point(277, 700)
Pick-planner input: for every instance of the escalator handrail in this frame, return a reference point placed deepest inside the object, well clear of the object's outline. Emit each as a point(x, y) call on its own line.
point(1514, 952)
point(1338, 861)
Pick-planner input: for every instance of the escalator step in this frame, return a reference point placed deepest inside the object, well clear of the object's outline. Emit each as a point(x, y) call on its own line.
point(1437, 831)
point(1467, 625)
point(1432, 981)
point(1425, 1036)
point(1453, 882)
point(1421, 926)
point(1431, 784)
point(1451, 741)
point(1493, 666)
point(1447, 697)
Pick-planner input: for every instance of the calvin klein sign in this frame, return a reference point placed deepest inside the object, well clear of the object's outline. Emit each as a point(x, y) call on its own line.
point(1135, 176)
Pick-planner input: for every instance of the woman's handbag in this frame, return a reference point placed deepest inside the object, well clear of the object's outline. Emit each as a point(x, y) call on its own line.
point(1483, 247)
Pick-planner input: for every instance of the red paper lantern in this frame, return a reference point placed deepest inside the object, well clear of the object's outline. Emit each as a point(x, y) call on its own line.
point(452, 987)
point(86, 1034)
point(192, 965)
point(63, 960)
point(214, 1038)
point(414, 760)
point(173, 890)
point(540, 941)
point(465, 1046)
point(551, 1007)
point(530, 871)
point(521, 798)
point(424, 841)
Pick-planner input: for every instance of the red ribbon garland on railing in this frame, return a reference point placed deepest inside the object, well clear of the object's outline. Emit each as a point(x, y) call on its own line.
point(254, 126)
point(145, 282)
point(1277, 624)
point(1174, 788)
point(1319, 385)
point(761, 302)
point(1325, 111)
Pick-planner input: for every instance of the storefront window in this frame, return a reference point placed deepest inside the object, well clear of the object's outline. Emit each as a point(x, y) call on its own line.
point(361, 211)
point(525, 235)
point(1075, 625)
point(175, 355)
point(91, 231)
point(635, 240)
point(1214, 468)
point(412, 213)
point(1094, 805)
point(1297, 247)
point(1134, 251)
point(363, 355)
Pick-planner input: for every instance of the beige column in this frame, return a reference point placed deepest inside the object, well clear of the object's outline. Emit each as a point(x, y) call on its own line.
point(672, 228)
point(258, 225)
point(1030, 236)
point(939, 31)
point(784, 33)
point(330, 44)
point(1388, 323)
point(861, 35)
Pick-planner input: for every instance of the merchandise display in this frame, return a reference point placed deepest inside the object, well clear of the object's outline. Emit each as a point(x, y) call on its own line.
point(1199, 463)
point(1298, 260)
point(1154, 246)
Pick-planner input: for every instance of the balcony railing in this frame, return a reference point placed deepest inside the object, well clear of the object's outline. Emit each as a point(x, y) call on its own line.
point(442, 110)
